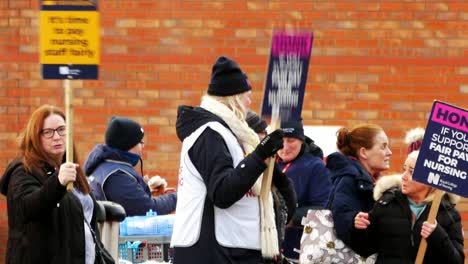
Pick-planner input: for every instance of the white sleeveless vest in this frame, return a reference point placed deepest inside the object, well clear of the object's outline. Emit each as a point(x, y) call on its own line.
point(237, 226)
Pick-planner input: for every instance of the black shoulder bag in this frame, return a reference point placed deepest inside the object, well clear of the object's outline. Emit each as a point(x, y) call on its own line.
point(102, 255)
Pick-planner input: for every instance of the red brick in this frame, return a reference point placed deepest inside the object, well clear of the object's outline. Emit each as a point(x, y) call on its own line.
point(383, 62)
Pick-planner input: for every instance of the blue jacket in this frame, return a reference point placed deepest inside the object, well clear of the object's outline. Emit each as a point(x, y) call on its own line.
point(112, 178)
point(312, 183)
point(351, 193)
point(311, 180)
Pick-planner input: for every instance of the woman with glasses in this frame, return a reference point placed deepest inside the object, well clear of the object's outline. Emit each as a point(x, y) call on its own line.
point(47, 224)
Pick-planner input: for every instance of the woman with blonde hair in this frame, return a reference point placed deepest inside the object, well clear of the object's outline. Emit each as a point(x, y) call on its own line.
point(396, 224)
point(219, 212)
point(47, 224)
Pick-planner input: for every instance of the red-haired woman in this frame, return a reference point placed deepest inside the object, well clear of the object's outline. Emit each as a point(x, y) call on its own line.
point(47, 224)
point(363, 153)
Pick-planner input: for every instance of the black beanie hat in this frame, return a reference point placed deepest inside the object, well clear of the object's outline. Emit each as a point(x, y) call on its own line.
point(293, 129)
point(123, 133)
point(256, 122)
point(227, 78)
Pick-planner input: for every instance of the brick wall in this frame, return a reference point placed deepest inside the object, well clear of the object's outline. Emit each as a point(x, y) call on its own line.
point(373, 61)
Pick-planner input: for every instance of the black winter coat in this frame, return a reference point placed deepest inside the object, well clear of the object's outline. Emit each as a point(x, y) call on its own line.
point(351, 192)
point(225, 185)
point(393, 237)
point(45, 222)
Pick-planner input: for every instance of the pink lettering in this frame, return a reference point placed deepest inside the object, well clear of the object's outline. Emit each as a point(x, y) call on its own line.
point(285, 43)
point(450, 116)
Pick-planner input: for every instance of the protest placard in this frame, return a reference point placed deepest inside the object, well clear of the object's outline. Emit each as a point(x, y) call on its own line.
point(283, 98)
point(443, 159)
point(69, 39)
point(69, 49)
point(287, 74)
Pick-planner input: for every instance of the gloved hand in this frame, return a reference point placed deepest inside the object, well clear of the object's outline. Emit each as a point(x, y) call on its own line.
point(270, 144)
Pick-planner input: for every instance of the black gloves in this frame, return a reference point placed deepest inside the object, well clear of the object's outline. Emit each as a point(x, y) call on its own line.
point(270, 144)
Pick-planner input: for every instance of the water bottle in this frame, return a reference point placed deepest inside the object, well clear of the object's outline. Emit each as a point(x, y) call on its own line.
point(123, 227)
point(151, 213)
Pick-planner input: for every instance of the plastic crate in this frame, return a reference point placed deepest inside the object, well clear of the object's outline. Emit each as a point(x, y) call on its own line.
point(149, 248)
point(150, 225)
point(123, 251)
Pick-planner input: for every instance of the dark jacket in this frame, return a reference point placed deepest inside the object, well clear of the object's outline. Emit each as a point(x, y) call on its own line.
point(312, 183)
point(312, 148)
point(45, 222)
point(112, 178)
point(351, 193)
point(311, 180)
point(392, 235)
point(225, 185)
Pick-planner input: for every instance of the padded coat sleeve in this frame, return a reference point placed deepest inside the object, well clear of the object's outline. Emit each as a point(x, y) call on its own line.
point(225, 184)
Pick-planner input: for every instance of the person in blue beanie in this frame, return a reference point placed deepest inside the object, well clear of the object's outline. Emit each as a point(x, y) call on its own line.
point(311, 179)
point(111, 173)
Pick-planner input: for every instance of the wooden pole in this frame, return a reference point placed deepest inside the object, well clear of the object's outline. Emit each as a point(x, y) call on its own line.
point(267, 175)
point(268, 233)
point(431, 219)
point(69, 124)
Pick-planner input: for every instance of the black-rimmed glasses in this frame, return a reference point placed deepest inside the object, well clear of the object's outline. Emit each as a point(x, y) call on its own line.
point(49, 132)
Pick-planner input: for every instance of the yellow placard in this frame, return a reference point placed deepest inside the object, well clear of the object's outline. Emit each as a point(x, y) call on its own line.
point(69, 37)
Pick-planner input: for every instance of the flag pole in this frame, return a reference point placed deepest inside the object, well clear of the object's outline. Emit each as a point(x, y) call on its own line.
point(69, 124)
point(431, 219)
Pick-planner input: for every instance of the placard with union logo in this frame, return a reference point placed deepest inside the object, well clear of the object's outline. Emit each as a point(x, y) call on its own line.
point(443, 157)
point(69, 39)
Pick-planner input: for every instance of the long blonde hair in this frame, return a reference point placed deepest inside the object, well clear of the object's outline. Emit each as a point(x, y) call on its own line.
point(234, 102)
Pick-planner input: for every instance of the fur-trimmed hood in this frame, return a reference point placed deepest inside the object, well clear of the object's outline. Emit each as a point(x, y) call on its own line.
point(394, 181)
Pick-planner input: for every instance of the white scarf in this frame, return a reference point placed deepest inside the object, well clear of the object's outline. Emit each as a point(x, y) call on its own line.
point(249, 140)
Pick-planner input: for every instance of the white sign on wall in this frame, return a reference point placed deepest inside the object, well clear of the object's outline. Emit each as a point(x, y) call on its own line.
point(324, 137)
